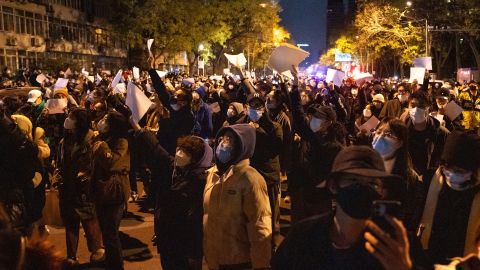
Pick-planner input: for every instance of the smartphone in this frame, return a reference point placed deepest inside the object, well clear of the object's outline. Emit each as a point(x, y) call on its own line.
point(381, 208)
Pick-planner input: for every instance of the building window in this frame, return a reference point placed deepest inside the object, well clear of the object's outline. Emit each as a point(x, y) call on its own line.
point(39, 25)
point(30, 23)
point(20, 22)
point(8, 19)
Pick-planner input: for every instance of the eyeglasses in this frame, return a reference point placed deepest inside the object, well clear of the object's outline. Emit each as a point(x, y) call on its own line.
point(386, 133)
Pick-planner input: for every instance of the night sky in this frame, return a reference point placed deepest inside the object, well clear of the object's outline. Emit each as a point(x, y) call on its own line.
point(306, 21)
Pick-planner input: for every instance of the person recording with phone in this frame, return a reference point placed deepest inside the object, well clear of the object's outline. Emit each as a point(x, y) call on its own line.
point(347, 238)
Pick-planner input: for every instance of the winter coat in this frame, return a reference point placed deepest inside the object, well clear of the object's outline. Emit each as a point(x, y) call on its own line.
point(284, 121)
point(111, 158)
point(237, 216)
point(471, 109)
point(76, 198)
point(434, 140)
point(393, 108)
point(203, 121)
point(265, 159)
point(178, 218)
point(180, 123)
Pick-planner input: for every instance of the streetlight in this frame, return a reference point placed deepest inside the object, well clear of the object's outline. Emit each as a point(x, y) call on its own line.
point(201, 47)
point(409, 3)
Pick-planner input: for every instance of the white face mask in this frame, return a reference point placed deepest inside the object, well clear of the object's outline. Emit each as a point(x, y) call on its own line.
point(457, 181)
point(69, 123)
point(418, 115)
point(403, 98)
point(175, 107)
point(316, 124)
point(230, 86)
point(230, 113)
point(182, 159)
point(102, 126)
point(367, 113)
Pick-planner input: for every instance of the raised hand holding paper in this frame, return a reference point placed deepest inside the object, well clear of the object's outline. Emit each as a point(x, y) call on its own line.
point(136, 73)
point(283, 57)
point(149, 46)
point(55, 105)
point(137, 102)
point(41, 78)
point(117, 78)
point(417, 73)
point(335, 76)
point(424, 62)
point(238, 60)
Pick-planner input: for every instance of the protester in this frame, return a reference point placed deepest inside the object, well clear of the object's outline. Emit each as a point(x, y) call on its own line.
point(449, 221)
point(469, 99)
point(111, 165)
point(237, 228)
point(179, 226)
point(396, 106)
point(348, 238)
point(427, 136)
point(442, 98)
point(76, 198)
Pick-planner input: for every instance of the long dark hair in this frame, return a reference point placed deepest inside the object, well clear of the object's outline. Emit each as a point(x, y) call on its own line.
point(403, 162)
point(82, 124)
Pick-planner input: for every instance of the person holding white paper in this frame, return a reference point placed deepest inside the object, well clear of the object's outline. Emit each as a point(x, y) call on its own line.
point(442, 98)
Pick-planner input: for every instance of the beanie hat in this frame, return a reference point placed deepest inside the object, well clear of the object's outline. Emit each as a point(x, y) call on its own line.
point(62, 90)
point(461, 149)
point(379, 97)
point(24, 124)
point(238, 106)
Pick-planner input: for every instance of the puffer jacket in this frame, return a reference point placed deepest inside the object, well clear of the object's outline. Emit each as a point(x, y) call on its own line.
point(471, 110)
point(237, 215)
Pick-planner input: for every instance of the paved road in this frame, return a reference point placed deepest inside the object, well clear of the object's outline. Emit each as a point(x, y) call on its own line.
point(136, 233)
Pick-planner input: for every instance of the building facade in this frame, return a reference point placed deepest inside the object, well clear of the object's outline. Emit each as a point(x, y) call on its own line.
point(38, 32)
point(340, 14)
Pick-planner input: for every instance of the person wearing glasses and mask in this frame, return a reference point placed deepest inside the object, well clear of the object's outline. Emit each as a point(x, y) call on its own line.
point(427, 136)
point(390, 140)
point(450, 216)
point(237, 228)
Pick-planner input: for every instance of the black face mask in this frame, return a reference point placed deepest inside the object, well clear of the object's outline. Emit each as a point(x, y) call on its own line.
point(356, 200)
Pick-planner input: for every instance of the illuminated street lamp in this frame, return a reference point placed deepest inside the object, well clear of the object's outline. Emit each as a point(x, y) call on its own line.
point(409, 3)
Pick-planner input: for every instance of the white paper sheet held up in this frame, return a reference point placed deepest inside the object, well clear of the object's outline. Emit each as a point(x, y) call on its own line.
point(238, 60)
point(137, 102)
point(41, 78)
point(283, 57)
point(370, 125)
point(336, 76)
point(149, 46)
point(56, 105)
point(117, 78)
point(417, 73)
point(424, 62)
point(136, 73)
point(60, 83)
point(453, 110)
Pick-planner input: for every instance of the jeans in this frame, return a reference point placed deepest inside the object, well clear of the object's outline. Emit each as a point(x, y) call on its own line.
point(109, 216)
point(92, 231)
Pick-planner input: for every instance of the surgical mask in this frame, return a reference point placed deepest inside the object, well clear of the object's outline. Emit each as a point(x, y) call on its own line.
point(224, 153)
point(230, 113)
point(356, 200)
point(403, 98)
point(182, 159)
point(255, 115)
point(417, 115)
point(175, 107)
point(69, 123)
point(385, 146)
point(367, 113)
point(457, 181)
point(102, 126)
point(230, 86)
point(354, 92)
point(316, 124)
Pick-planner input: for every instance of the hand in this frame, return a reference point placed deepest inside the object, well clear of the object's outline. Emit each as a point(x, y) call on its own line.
point(151, 61)
point(393, 254)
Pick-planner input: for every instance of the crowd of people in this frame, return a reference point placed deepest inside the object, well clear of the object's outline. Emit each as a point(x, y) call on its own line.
point(381, 174)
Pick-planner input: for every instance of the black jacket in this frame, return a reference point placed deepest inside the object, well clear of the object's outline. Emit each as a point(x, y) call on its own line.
point(179, 124)
point(309, 246)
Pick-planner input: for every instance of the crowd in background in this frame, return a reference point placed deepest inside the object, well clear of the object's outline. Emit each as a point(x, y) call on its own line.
point(213, 152)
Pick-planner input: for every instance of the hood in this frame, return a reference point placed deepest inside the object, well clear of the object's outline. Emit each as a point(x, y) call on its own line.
point(24, 124)
point(206, 160)
point(238, 107)
point(247, 138)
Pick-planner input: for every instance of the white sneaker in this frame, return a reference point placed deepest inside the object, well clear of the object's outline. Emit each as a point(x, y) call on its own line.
point(98, 256)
